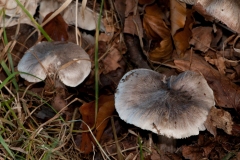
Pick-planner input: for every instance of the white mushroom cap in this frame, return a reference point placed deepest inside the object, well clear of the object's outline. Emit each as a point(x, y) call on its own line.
point(65, 59)
point(175, 107)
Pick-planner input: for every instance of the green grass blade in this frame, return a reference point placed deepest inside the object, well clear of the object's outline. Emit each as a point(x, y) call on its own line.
point(1, 11)
point(10, 61)
point(16, 118)
point(5, 40)
point(8, 72)
point(10, 76)
point(4, 66)
point(96, 62)
point(140, 148)
point(33, 20)
point(229, 156)
point(4, 144)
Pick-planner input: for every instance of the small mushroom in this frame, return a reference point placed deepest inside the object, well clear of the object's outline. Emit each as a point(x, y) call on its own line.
point(176, 107)
point(65, 60)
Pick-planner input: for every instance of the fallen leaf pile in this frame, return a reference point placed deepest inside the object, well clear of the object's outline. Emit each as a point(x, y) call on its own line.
point(167, 36)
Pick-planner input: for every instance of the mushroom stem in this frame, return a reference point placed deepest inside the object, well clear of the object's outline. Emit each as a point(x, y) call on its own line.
point(167, 144)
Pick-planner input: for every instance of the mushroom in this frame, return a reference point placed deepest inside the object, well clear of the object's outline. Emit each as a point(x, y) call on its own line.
point(67, 60)
point(225, 11)
point(13, 14)
point(175, 107)
point(63, 62)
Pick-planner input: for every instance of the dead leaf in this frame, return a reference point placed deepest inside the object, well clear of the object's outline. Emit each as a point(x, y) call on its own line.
point(219, 63)
point(238, 155)
point(120, 6)
point(143, 2)
point(112, 78)
point(171, 156)
point(237, 69)
point(132, 23)
point(218, 118)
point(156, 29)
point(87, 110)
point(208, 147)
point(56, 28)
point(109, 28)
point(235, 130)
point(192, 152)
point(226, 93)
point(201, 38)
point(110, 55)
point(110, 62)
point(106, 109)
point(178, 15)
point(155, 155)
point(131, 7)
point(182, 37)
point(217, 37)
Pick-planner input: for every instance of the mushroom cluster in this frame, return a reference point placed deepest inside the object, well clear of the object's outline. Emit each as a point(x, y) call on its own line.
point(176, 107)
point(65, 61)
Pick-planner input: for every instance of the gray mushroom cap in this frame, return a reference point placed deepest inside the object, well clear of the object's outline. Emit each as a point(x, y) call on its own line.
point(67, 60)
point(175, 107)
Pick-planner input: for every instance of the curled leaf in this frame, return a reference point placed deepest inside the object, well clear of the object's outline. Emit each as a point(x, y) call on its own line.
point(87, 110)
point(218, 118)
point(56, 28)
point(219, 62)
point(182, 37)
point(156, 29)
point(178, 15)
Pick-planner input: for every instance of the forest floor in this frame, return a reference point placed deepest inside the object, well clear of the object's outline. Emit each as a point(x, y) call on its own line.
point(39, 120)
